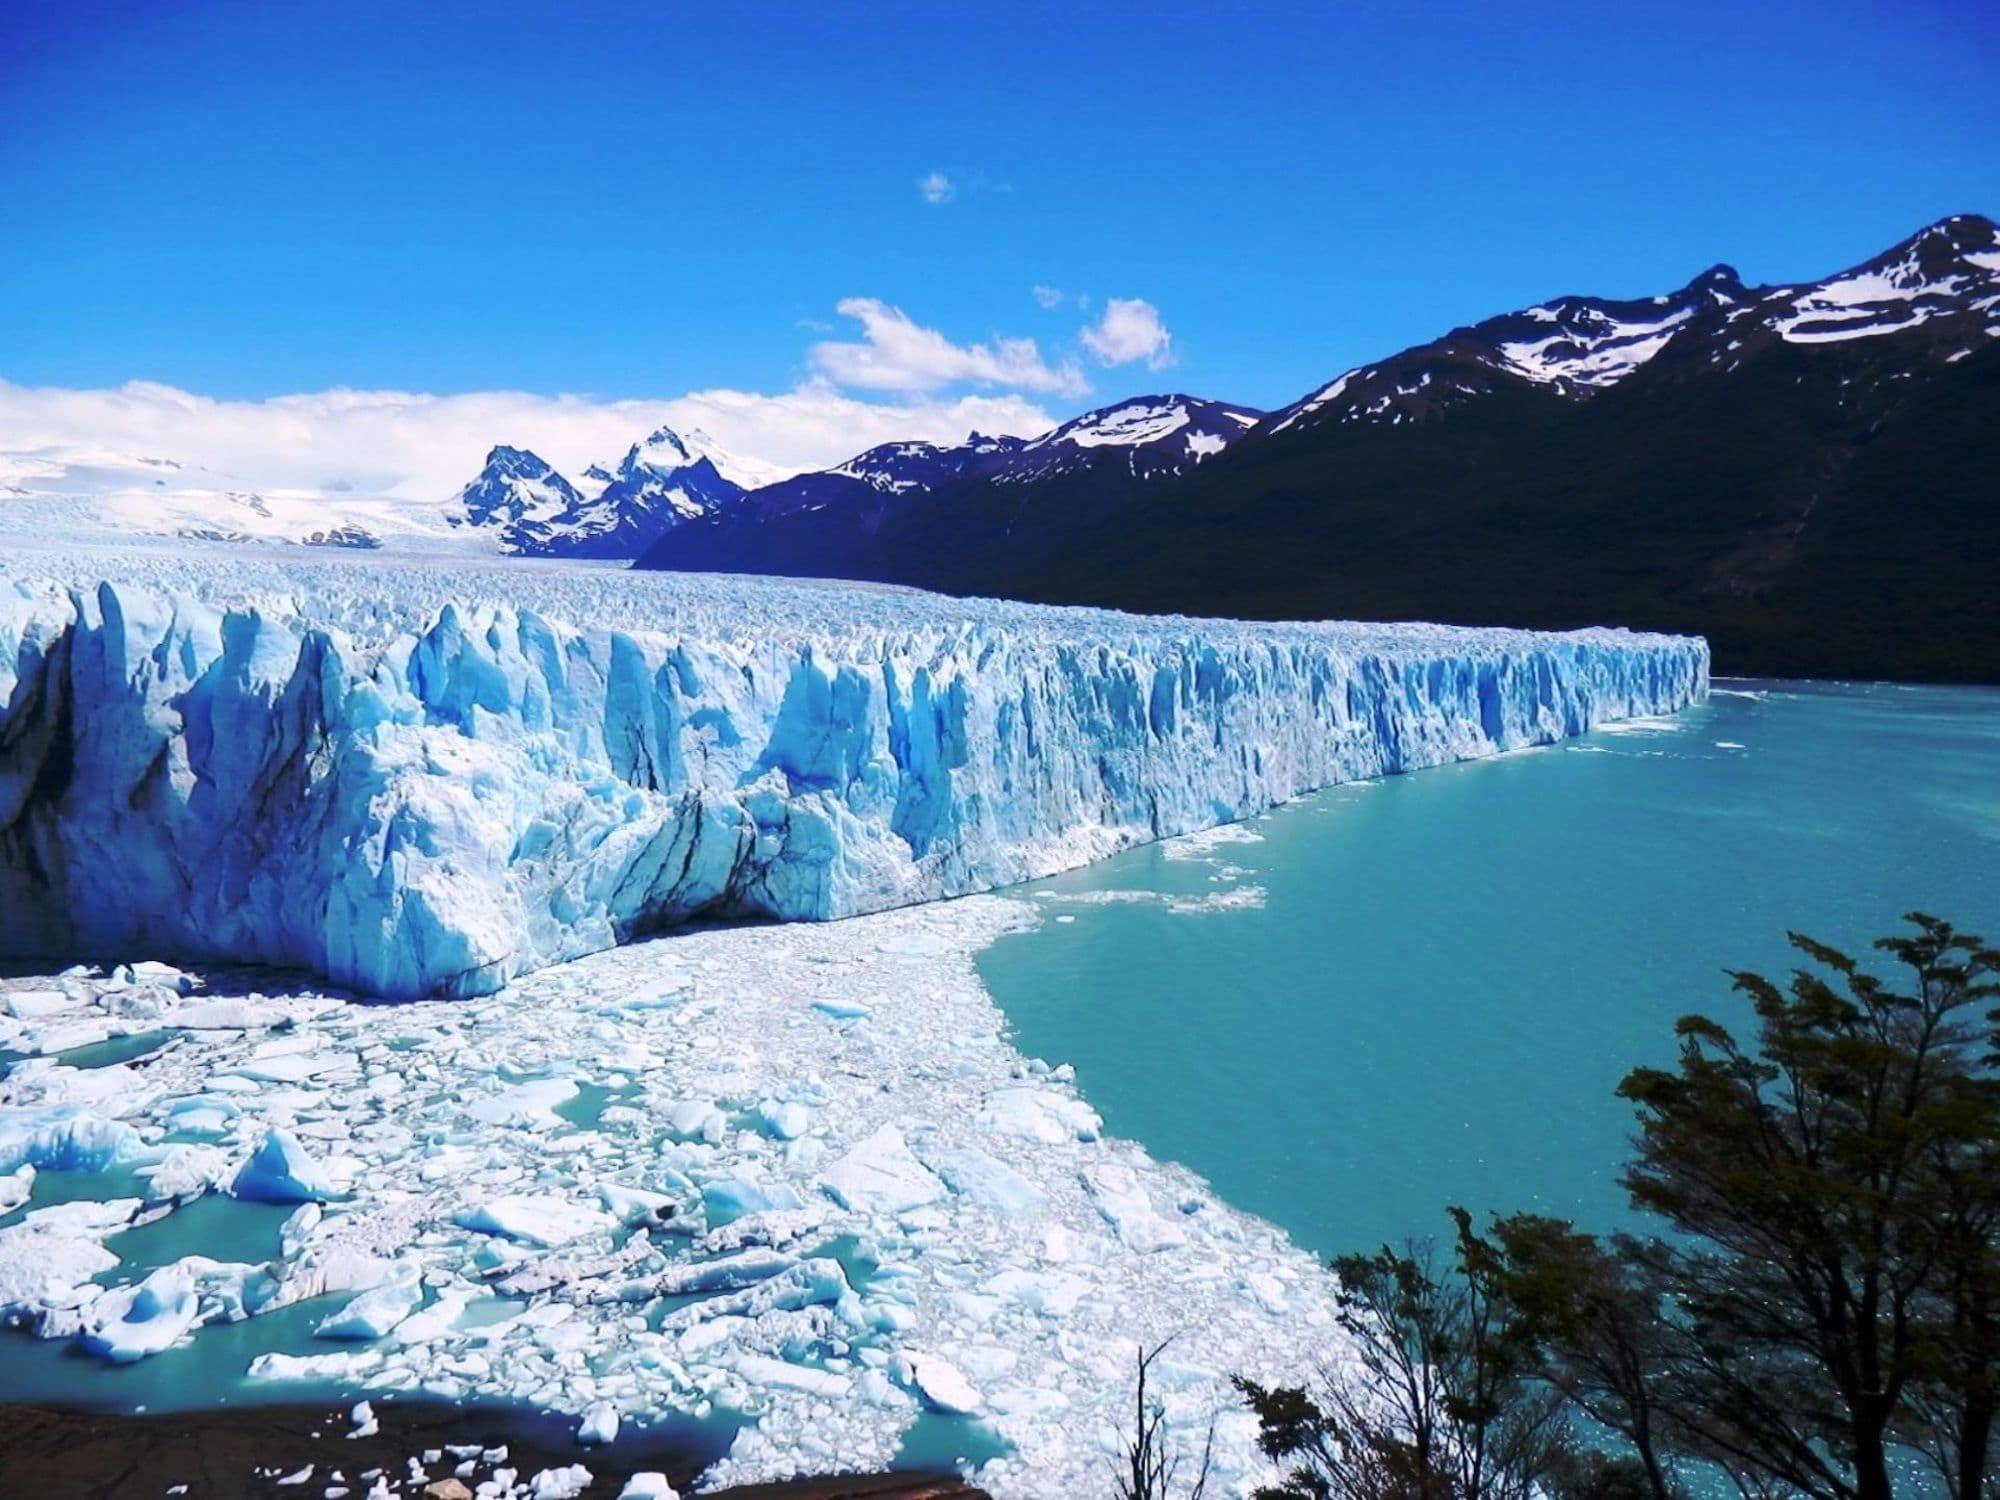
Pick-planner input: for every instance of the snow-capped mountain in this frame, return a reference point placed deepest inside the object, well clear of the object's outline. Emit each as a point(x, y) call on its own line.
point(518, 496)
point(615, 512)
point(1807, 473)
point(657, 461)
point(898, 468)
point(1155, 436)
point(518, 503)
point(918, 497)
point(1943, 282)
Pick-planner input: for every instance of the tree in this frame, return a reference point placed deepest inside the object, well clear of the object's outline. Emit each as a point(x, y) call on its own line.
point(1151, 1464)
point(1815, 1185)
point(1600, 1339)
point(1832, 1286)
point(1441, 1403)
point(1829, 1293)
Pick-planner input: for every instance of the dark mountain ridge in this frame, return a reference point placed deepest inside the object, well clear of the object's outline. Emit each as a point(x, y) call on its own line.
point(1809, 475)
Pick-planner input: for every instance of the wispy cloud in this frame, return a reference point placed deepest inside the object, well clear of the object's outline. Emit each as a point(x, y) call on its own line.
point(936, 189)
point(1129, 331)
point(898, 354)
point(426, 446)
point(1053, 297)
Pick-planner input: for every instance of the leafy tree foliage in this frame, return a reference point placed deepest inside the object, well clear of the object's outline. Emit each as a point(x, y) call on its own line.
point(1440, 1403)
point(1827, 1297)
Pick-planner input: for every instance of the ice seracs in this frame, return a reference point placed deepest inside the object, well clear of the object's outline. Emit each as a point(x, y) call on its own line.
point(418, 781)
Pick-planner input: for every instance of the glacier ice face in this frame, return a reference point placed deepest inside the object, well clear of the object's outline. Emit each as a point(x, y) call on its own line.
point(417, 781)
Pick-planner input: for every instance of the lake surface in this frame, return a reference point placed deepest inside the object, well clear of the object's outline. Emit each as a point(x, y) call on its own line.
point(1450, 971)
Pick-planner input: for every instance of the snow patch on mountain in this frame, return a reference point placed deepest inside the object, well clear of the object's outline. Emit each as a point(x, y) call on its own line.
point(1944, 280)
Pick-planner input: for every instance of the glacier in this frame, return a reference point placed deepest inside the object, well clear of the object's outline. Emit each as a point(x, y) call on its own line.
point(421, 780)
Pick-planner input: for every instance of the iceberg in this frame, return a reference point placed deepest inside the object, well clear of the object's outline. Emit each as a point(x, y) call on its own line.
point(280, 1171)
point(416, 782)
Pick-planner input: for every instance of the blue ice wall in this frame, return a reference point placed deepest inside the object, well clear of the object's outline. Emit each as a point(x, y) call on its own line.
point(413, 796)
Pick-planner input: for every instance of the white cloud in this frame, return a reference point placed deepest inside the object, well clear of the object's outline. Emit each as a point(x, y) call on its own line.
point(425, 446)
point(1049, 296)
point(1130, 330)
point(936, 189)
point(900, 355)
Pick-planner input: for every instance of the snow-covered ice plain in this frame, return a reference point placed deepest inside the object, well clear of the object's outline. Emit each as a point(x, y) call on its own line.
point(792, 1181)
point(417, 779)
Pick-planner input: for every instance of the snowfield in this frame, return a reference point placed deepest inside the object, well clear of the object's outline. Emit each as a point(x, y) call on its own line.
point(416, 779)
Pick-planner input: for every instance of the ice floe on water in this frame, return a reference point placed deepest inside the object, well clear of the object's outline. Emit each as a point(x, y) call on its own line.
point(788, 1181)
point(1201, 846)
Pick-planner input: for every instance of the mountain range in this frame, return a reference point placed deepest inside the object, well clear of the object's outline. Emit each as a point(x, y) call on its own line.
point(1807, 474)
point(663, 481)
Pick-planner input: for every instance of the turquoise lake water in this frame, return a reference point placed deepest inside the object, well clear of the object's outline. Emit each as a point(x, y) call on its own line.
point(1452, 970)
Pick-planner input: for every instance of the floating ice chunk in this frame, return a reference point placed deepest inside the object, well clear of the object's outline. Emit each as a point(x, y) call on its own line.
point(881, 1176)
point(942, 1385)
point(973, 1174)
point(36, 1005)
point(630, 1205)
point(694, 1120)
point(725, 1273)
point(599, 1424)
point(842, 1008)
point(786, 1120)
point(1039, 1115)
point(728, 1199)
point(761, 1370)
point(280, 1171)
point(374, 1313)
point(532, 1104)
point(187, 1170)
point(129, 1323)
point(16, 1188)
point(298, 1228)
point(65, 1138)
point(42, 1261)
point(537, 1219)
point(1123, 1201)
point(1201, 846)
point(290, 1067)
point(648, 1484)
point(1052, 1293)
point(559, 1484)
point(148, 971)
point(363, 1417)
point(207, 1114)
point(314, 1367)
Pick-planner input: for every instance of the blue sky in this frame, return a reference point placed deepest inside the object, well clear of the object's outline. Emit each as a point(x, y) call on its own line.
point(244, 200)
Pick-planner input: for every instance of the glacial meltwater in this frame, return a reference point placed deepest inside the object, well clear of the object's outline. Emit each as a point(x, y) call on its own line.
point(1424, 991)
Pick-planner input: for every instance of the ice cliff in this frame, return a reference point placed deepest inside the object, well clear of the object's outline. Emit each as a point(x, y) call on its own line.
point(420, 782)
